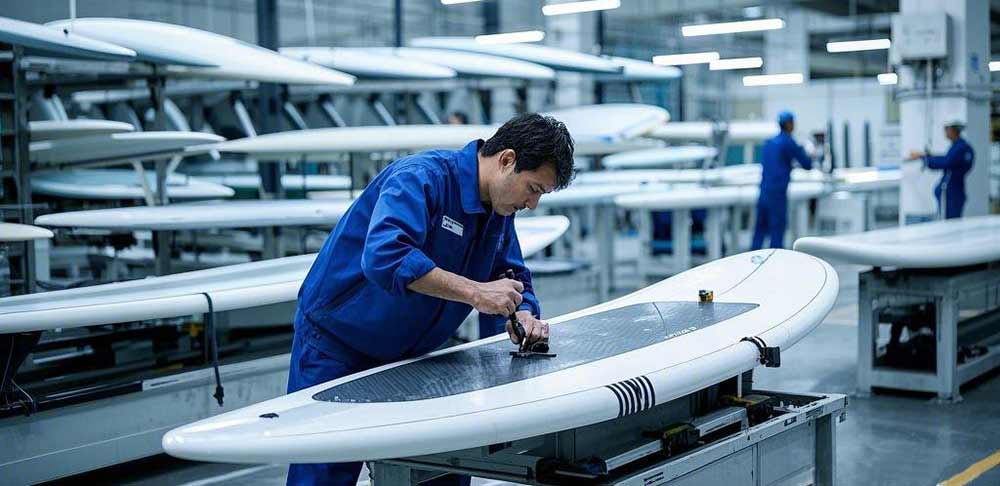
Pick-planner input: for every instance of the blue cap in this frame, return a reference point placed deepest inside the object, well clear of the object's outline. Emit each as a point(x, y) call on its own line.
point(784, 117)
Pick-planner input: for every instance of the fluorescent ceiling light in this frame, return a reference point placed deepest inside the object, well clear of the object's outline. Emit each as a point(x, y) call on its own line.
point(736, 63)
point(858, 45)
point(772, 79)
point(994, 65)
point(732, 27)
point(682, 59)
point(511, 37)
point(454, 2)
point(888, 78)
point(580, 7)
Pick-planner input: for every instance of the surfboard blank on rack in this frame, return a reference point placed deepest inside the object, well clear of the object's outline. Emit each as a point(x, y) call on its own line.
point(692, 196)
point(294, 182)
point(365, 63)
point(41, 39)
point(854, 179)
point(470, 395)
point(937, 244)
point(739, 131)
point(555, 58)
point(11, 232)
point(58, 129)
point(636, 70)
point(117, 148)
point(471, 64)
point(594, 194)
point(203, 215)
point(172, 89)
point(221, 56)
point(596, 129)
point(119, 184)
point(232, 287)
point(659, 157)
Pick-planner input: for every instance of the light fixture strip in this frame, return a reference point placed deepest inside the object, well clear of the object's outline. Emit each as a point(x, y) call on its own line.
point(732, 27)
point(580, 7)
point(684, 59)
point(858, 45)
point(736, 63)
point(511, 37)
point(772, 79)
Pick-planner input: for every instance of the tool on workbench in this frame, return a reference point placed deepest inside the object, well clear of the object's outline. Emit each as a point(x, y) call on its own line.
point(537, 349)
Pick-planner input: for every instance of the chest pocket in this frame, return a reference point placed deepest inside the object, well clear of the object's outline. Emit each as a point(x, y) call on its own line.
point(450, 242)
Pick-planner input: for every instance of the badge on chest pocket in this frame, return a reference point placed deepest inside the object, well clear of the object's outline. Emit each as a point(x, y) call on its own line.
point(452, 225)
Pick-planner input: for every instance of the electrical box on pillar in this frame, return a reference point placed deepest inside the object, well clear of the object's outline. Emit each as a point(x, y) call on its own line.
point(919, 37)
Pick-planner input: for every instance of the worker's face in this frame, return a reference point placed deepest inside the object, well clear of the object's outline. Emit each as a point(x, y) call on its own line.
point(515, 191)
point(951, 133)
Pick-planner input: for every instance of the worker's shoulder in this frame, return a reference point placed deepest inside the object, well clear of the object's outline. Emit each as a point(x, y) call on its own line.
point(431, 164)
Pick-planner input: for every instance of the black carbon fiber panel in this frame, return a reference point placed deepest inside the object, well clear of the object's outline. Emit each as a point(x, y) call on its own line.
point(576, 342)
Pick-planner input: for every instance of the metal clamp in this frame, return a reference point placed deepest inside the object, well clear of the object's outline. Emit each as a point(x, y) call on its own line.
point(770, 356)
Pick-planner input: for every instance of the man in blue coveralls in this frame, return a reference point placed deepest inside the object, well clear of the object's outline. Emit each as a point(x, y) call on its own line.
point(426, 242)
point(772, 203)
point(955, 165)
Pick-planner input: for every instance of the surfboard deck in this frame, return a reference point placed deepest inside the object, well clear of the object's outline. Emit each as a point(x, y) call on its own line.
point(659, 157)
point(11, 232)
point(50, 41)
point(56, 129)
point(206, 54)
point(937, 244)
point(231, 287)
point(741, 131)
point(120, 147)
point(120, 184)
point(555, 58)
point(366, 63)
point(691, 197)
point(618, 358)
point(472, 64)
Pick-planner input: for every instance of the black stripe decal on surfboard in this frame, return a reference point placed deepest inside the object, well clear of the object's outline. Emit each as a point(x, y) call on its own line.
point(634, 395)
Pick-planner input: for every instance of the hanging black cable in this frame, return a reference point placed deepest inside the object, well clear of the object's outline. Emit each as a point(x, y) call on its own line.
point(213, 347)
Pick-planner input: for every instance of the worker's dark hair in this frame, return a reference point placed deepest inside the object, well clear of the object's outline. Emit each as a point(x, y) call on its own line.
point(536, 140)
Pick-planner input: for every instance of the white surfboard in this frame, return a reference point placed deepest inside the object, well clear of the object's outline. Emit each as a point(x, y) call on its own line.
point(203, 215)
point(472, 64)
point(221, 56)
point(366, 63)
point(120, 147)
point(636, 70)
point(50, 41)
point(553, 57)
point(293, 182)
point(937, 244)
point(854, 179)
point(596, 129)
point(57, 129)
point(119, 184)
point(740, 131)
point(695, 196)
point(659, 157)
point(613, 360)
point(11, 232)
point(232, 287)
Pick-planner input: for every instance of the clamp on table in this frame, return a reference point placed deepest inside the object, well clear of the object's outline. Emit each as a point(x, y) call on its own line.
point(770, 356)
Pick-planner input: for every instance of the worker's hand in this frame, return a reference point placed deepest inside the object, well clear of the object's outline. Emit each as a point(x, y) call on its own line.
point(534, 330)
point(916, 154)
point(499, 297)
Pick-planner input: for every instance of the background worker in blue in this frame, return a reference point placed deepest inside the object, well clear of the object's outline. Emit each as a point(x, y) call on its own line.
point(421, 247)
point(955, 165)
point(772, 203)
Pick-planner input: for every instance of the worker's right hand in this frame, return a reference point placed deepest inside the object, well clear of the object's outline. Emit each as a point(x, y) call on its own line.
point(499, 297)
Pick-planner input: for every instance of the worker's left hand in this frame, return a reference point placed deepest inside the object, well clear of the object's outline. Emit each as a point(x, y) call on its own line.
point(534, 330)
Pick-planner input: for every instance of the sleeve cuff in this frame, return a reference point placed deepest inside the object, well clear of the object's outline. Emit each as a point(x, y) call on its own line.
point(414, 265)
point(530, 304)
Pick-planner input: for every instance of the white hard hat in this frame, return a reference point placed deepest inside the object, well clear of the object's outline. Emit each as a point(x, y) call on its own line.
point(956, 123)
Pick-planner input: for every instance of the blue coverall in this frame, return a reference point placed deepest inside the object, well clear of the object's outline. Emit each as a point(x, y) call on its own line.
point(955, 164)
point(772, 203)
point(354, 310)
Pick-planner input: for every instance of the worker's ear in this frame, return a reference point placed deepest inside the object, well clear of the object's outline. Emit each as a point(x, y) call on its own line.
point(507, 159)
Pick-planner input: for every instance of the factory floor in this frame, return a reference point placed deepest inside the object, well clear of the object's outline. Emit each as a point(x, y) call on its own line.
point(888, 438)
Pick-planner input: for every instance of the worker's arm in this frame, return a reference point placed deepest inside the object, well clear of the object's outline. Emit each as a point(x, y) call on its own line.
point(954, 159)
point(799, 154)
point(529, 311)
point(392, 258)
